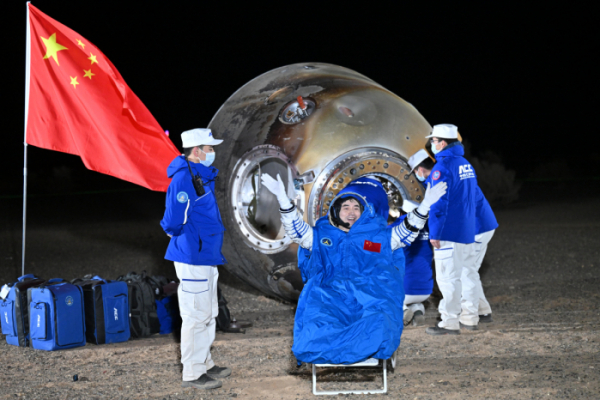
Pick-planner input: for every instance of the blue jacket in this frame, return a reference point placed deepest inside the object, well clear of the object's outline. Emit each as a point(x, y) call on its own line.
point(194, 222)
point(350, 307)
point(486, 220)
point(418, 274)
point(453, 216)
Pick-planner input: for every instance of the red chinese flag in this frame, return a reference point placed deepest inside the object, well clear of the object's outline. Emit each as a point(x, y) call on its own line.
point(371, 246)
point(79, 104)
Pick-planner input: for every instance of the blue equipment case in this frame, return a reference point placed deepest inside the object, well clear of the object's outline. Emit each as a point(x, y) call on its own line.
point(167, 305)
point(106, 309)
point(56, 316)
point(15, 310)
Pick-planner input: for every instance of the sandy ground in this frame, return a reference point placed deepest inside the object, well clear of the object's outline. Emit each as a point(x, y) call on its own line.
point(541, 277)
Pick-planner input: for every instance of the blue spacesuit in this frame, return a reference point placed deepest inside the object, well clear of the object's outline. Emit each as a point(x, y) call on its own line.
point(351, 306)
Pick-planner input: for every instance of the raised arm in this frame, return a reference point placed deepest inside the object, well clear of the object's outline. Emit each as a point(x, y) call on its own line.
point(295, 227)
point(406, 232)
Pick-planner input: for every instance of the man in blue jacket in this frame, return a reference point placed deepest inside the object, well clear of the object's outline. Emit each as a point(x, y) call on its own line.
point(452, 224)
point(485, 224)
point(193, 222)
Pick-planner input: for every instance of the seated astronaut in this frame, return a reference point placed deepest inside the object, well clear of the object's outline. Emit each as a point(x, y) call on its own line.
point(349, 309)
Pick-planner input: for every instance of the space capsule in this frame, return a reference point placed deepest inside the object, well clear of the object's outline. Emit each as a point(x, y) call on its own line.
point(319, 126)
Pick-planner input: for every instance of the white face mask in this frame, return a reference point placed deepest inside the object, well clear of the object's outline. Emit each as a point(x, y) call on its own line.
point(433, 149)
point(419, 177)
point(210, 158)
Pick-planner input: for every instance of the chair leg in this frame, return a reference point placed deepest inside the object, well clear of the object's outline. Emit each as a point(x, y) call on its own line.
point(314, 379)
point(385, 375)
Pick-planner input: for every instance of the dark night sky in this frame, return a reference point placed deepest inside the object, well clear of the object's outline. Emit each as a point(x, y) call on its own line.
point(515, 80)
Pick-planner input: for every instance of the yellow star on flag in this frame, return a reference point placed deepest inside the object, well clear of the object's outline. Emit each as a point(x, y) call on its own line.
point(93, 58)
point(52, 47)
point(88, 74)
point(74, 82)
point(79, 42)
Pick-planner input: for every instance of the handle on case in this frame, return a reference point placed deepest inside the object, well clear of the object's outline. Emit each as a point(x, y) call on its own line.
point(98, 278)
point(22, 278)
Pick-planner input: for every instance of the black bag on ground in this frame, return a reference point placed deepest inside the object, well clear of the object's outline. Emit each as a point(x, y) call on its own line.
point(106, 309)
point(224, 317)
point(224, 321)
point(143, 320)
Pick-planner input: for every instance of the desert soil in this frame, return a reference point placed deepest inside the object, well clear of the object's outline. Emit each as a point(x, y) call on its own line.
point(541, 276)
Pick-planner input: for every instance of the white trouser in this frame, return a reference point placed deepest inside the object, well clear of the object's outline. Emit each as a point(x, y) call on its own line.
point(471, 282)
point(198, 305)
point(415, 302)
point(449, 266)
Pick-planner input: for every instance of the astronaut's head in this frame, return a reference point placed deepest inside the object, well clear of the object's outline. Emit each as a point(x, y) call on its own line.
point(346, 211)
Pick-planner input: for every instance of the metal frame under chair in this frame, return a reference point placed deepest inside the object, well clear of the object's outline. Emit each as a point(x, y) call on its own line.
point(371, 362)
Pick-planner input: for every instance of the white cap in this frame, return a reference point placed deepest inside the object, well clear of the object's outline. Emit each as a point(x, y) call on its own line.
point(417, 159)
point(199, 137)
point(444, 131)
point(409, 205)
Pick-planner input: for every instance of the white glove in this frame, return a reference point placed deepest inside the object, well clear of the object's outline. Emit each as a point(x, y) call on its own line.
point(278, 189)
point(432, 194)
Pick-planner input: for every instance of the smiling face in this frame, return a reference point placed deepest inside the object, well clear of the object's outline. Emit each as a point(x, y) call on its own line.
point(350, 211)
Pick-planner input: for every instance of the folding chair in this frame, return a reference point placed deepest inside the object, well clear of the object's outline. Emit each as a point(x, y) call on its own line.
point(371, 362)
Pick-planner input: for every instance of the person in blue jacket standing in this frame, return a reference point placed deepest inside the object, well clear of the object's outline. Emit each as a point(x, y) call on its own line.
point(452, 224)
point(193, 222)
point(472, 295)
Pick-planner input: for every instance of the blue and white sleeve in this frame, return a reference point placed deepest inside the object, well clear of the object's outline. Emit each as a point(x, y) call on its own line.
point(406, 232)
point(295, 227)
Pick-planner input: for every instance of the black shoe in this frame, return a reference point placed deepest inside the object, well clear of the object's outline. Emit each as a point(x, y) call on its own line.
point(204, 382)
point(436, 330)
point(469, 327)
point(485, 318)
point(418, 318)
point(219, 372)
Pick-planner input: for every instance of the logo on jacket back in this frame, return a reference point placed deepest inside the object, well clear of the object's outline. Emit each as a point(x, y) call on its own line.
point(69, 301)
point(436, 175)
point(466, 172)
point(371, 246)
point(116, 314)
point(326, 241)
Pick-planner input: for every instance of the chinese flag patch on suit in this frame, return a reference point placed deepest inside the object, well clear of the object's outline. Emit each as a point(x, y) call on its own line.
point(371, 246)
point(78, 103)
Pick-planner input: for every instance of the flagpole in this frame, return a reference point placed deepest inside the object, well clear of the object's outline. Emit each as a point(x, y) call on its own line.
point(27, 77)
